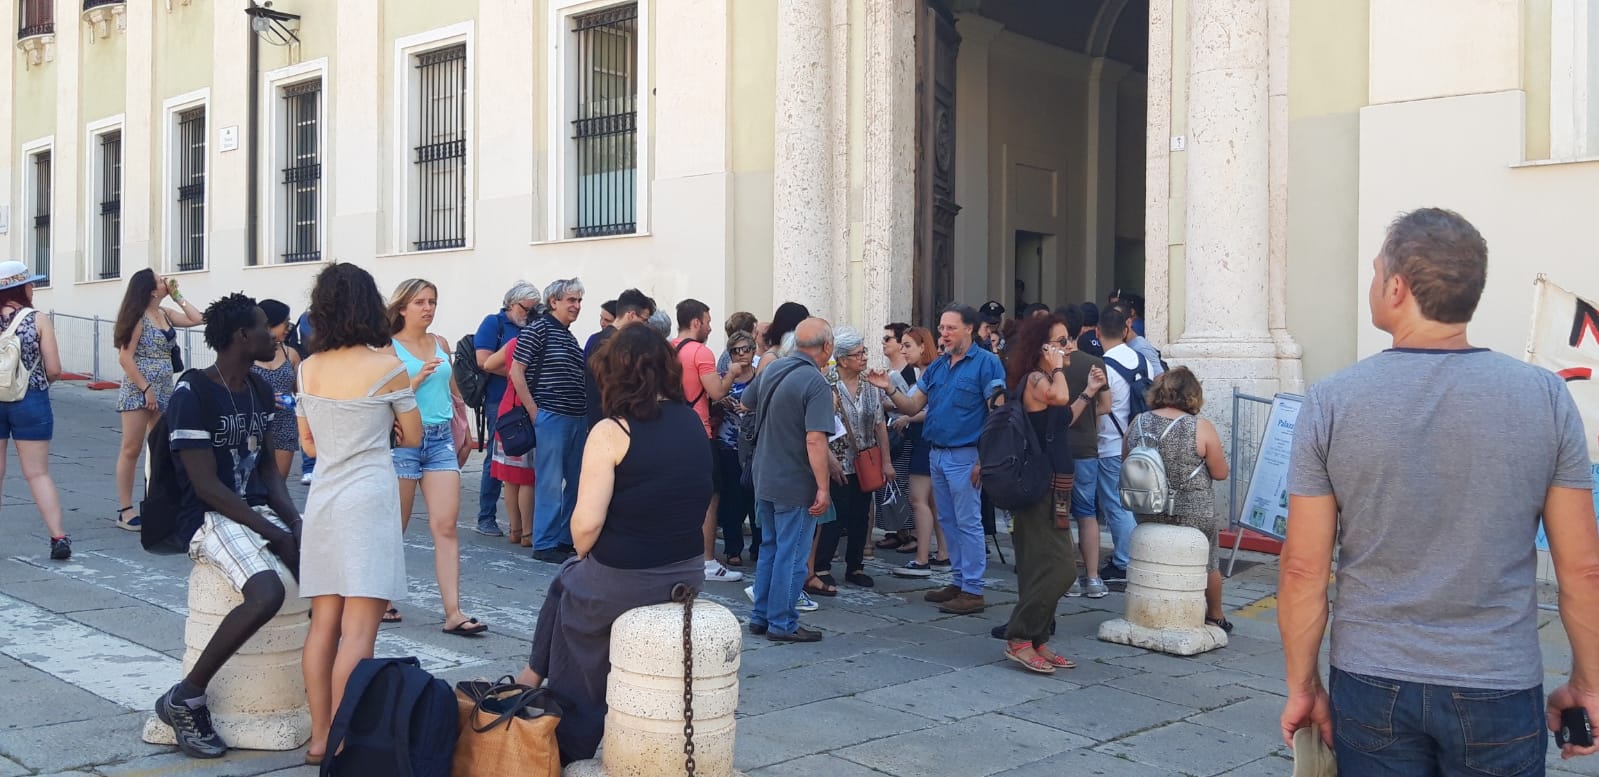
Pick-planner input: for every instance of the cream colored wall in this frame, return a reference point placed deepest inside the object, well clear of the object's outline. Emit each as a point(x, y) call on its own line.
point(1422, 49)
point(1327, 88)
point(100, 97)
point(1535, 74)
point(752, 111)
point(1535, 218)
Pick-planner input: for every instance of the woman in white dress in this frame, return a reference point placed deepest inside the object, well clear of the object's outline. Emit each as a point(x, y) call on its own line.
point(355, 401)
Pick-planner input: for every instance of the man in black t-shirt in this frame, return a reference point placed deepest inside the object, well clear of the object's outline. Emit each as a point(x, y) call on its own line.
point(229, 486)
point(632, 307)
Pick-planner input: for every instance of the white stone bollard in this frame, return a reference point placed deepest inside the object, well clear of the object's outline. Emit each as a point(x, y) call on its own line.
point(258, 699)
point(644, 727)
point(1166, 578)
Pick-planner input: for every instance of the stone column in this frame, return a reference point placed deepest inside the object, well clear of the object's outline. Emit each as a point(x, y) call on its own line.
point(889, 196)
point(1226, 338)
point(802, 176)
point(1290, 371)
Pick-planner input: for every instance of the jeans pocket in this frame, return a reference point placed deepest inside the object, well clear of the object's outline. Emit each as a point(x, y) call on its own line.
point(1363, 710)
point(1503, 730)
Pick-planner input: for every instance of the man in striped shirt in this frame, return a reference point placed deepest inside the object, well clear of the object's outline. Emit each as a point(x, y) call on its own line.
point(549, 382)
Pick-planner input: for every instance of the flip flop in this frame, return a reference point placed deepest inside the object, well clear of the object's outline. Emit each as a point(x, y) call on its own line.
point(391, 616)
point(467, 628)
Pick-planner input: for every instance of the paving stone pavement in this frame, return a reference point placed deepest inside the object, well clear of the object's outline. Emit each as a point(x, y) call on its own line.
point(896, 688)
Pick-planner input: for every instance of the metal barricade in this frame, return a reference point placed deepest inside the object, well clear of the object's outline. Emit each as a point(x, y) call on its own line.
point(86, 345)
point(1250, 416)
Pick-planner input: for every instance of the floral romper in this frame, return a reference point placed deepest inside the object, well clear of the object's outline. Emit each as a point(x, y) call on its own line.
point(152, 354)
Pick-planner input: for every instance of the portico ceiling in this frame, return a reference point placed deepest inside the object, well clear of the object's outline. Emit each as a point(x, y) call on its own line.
point(1117, 29)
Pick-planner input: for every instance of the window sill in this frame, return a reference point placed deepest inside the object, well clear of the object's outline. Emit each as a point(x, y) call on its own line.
point(1579, 160)
point(466, 249)
point(280, 264)
point(201, 271)
point(99, 281)
point(566, 240)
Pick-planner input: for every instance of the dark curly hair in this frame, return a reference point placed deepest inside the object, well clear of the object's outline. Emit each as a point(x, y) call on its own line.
point(225, 317)
point(634, 369)
point(1025, 347)
point(347, 310)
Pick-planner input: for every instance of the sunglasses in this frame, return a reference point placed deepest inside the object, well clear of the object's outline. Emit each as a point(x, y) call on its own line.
point(1062, 341)
point(742, 349)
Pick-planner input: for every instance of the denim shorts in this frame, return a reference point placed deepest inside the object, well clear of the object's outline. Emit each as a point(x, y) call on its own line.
point(437, 454)
point(29, 418)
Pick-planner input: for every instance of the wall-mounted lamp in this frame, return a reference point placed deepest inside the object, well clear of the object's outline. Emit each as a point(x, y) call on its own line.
point(275, 27)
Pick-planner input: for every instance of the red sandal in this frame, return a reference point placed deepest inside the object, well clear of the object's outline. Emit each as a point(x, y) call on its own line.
point(1055, 659)
point(1037, 663)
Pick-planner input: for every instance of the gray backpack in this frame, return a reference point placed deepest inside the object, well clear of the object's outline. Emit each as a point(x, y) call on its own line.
point(1144, 487)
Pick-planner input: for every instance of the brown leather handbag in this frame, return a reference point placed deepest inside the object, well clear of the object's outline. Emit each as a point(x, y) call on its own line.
point(869, 462)
point(506, 728)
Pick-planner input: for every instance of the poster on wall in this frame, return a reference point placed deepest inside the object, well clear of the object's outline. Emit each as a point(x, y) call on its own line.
point(1266, 505)
point(1565, 340)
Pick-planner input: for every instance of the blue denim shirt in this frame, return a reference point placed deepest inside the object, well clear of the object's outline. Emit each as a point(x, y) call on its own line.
point(492, 335)
point(955, 405)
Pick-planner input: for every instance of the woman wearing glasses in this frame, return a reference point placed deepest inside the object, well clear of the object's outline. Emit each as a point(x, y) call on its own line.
point(738, 501)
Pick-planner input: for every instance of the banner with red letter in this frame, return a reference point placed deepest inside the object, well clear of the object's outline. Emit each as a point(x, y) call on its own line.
point(1565, 340)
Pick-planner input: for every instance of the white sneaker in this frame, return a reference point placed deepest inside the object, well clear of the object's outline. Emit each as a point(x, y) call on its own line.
point(749, 591)
point(716, 573)
point(806, 604)
point(305, 480)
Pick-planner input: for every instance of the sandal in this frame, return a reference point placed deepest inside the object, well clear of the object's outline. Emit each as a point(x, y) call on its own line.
point(859, 578)
point(514, 537)
point(735, 561)
point(891, 542)
point(908, 546)
point(1055, 659)
point(1037, 663)
point(822, 588)
point(1220, 623)
point(467, 628)
point(130, 524)
point(391, 616)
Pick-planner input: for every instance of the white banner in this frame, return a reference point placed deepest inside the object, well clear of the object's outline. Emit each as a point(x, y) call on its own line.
point(1565, 340)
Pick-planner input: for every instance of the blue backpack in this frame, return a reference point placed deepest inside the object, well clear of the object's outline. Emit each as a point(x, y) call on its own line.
point(395, 719)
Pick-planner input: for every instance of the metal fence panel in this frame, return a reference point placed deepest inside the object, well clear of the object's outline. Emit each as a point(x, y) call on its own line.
point(1251, 414)
point(86, 348)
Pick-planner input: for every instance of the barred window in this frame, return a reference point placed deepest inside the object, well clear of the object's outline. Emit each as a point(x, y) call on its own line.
point(605, 129)
point(302, 172)
point(109, 250)
point(440, 164)
point(38, 18)
point(190, 237)
point(41, 215)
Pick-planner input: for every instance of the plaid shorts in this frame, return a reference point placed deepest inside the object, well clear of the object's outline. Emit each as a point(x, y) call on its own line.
point(236, 550)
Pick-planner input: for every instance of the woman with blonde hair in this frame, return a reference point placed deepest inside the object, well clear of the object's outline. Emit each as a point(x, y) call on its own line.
point(1191, 449)
point(434, 465)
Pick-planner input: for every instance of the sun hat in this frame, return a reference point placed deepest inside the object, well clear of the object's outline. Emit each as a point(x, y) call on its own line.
point(14, 273)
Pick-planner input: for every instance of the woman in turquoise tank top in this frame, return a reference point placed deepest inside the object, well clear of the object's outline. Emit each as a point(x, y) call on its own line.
point(426, 357)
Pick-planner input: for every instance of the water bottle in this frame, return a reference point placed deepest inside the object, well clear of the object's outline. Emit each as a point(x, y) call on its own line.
point(285, 400)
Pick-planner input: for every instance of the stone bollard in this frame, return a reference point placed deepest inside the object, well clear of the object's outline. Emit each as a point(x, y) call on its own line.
point(644, 727)
point(258, 699)
point(1166, 579)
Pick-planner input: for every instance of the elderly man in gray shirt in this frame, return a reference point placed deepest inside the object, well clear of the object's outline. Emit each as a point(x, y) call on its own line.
point(792, 406)
point(1431, 464)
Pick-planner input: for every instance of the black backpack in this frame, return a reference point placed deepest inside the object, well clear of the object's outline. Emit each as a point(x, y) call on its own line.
point(163, 532)
point(472, 380)
point(394, 719)
point(1015, 465)
point(1138, 385)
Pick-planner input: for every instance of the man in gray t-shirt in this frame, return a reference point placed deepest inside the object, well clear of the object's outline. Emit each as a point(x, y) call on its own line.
point(794, 406)
point(1431, 464)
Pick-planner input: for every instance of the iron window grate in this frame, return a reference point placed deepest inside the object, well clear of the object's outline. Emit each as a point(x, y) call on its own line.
point(605, 129)
point(38, 18)
point(302, 173)
point(191, 190)
point(41, 215)
point(110, 264)
point(440, 162)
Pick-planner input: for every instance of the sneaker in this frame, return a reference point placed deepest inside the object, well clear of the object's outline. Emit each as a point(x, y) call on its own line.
point(1111, 573)
point(749, 592)
point(192, 726)
point(1076, 589)
point(963, 604)
point(305, 480)
point(942, 595)
point(489, 529)
point(716, 573)
point(61, 548)
point(912, 569)
point(1095, 589)
point(805, 603)
point(939, 563)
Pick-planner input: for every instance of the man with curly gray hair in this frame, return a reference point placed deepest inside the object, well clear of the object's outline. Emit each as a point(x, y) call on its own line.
point(549, 379)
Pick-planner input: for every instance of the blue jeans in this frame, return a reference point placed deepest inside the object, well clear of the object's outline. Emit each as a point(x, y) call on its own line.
point(1098, 494)
point(780, 570)
point(307, 464)
point(28, 419)
point(960, 513)
point(1391, 728)
point(556, 464)
point(488, 499)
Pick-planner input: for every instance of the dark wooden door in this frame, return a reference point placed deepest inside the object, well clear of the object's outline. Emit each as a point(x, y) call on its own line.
point(937, 44)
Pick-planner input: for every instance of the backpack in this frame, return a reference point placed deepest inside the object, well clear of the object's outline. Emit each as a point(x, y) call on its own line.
point(1143, 487)
point(1015, 466)
point(1138, 385)
point(470, 378)
point(749, 433)
point(163, 532)
point(679, 351)
point(14, 373)
point(395, 719)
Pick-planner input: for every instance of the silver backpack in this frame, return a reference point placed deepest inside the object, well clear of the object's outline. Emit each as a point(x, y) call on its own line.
point(1144, 488)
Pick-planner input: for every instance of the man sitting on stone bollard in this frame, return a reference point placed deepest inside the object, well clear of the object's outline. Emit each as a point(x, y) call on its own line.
point(246, 526)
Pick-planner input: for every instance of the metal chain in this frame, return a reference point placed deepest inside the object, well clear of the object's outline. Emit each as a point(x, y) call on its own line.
point(685, 595)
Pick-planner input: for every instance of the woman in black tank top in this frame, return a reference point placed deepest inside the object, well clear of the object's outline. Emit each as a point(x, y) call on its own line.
point(1046, 563)
point(642, 495)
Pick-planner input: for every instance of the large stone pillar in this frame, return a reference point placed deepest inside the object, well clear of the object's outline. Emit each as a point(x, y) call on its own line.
point(889, 196)
point(1226, 339)
point(802, 179)
point(1290, 370)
